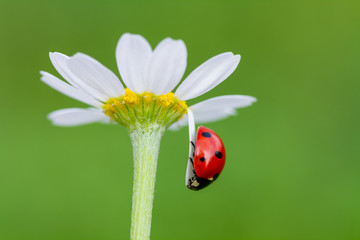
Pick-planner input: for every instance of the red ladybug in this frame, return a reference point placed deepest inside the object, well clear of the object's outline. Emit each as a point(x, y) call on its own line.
point(209, 159)
point(206, 159)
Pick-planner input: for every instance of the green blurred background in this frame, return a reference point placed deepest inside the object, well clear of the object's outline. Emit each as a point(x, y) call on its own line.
point(293, 169)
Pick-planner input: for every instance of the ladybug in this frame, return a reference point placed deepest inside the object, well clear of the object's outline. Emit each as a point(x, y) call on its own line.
point(206, 157)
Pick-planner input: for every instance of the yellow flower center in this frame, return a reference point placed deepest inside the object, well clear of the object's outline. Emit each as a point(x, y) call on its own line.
point(133, 109)
point(131, 97)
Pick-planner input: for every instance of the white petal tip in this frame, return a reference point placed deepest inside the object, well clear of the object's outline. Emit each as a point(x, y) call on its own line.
point(80, 54)
point(128, 36)
point(77, 116)
point(45, 76)
point(250, 98)
point(55, 54)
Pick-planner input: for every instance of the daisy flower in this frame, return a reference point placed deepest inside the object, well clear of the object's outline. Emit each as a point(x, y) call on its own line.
point(146, 106)
point(149, 76)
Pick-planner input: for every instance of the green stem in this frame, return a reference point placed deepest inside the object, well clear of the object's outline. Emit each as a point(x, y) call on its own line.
point(146, 144)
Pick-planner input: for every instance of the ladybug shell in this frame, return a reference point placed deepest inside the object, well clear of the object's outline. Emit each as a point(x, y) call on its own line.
point(209, 159)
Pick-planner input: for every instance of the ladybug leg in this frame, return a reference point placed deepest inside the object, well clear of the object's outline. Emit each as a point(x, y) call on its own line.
point(192, 162)
point(193, 150)
point(191, 159)
point(189, 182)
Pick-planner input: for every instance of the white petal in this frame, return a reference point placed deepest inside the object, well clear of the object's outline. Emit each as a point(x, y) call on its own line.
point(190, 166)
point(60, 62)
point(191, 123)
point(205, 117)
point(227, 101)
point(77, 116)
point(208, 75)
point(167, 66)
point(215, 109)
point(133, 55)
point(96, 75)
point(68, 90)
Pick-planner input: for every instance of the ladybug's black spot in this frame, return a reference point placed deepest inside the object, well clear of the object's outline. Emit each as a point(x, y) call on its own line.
point(215, 176)
point(206, 134)
point(202, 159)
point(218, 154)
